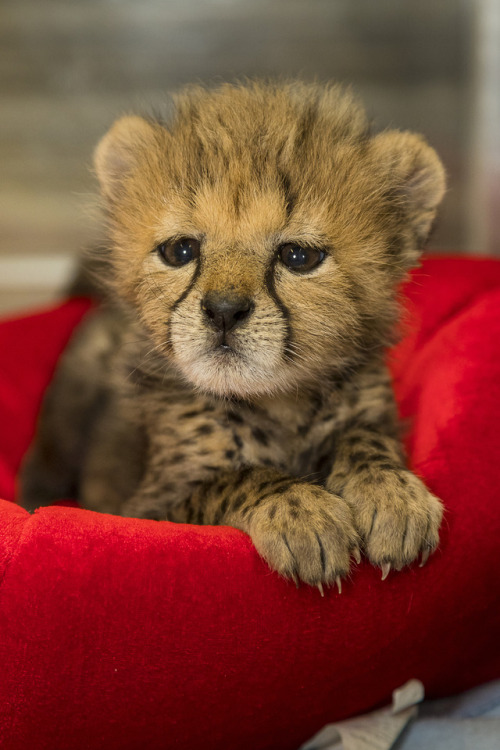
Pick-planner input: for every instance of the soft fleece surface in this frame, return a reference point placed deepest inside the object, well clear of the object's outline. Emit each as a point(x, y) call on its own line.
point(121, 633)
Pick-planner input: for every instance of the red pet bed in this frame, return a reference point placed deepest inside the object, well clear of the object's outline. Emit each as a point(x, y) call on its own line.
point(122, 634)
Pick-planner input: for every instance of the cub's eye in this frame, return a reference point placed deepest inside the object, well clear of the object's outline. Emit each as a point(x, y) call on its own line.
point(298, 258)
point(179, 252)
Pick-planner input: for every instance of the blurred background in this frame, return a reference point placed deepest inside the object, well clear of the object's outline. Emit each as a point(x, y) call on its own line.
point(68, 68)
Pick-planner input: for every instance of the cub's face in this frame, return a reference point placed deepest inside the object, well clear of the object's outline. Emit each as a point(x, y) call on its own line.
point(261, 234)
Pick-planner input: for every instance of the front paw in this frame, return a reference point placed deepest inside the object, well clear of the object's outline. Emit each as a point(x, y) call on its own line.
point(305, 533)
point(396, 516)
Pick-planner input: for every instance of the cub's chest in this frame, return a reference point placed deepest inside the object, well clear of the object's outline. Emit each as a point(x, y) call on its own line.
point(293, 439)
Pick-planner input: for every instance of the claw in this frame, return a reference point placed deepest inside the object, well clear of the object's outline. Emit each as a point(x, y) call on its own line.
point(425, 557)
point(339, 584)
point(295, 580)
point(357, 555)
point(320, 588)
point(386, 569)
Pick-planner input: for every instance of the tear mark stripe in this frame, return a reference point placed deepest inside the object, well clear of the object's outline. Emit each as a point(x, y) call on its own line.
point(271, 290)
point(182, 298)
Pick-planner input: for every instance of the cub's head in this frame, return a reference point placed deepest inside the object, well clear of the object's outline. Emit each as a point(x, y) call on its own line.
point(260, 234)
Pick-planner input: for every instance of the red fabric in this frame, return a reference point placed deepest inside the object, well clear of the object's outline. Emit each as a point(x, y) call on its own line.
point(121, 633)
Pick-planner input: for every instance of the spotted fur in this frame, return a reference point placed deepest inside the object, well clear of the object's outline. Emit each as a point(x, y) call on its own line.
point(288, 431)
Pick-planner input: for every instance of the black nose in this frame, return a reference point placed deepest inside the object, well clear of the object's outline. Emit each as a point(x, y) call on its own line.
point(226, 312)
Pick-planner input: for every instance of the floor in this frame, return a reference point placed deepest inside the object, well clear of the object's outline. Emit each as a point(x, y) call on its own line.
point(67, 69)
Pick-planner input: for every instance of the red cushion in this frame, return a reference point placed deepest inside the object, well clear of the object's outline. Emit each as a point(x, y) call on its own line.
point(124, 633)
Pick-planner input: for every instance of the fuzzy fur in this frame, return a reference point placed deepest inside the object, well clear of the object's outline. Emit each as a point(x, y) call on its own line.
point(289, 431)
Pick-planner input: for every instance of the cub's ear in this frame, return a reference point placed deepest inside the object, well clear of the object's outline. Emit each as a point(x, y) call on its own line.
point(120, 152)
point(415, 175)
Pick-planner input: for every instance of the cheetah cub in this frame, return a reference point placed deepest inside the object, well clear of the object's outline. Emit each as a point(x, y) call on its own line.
point(236, 374)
